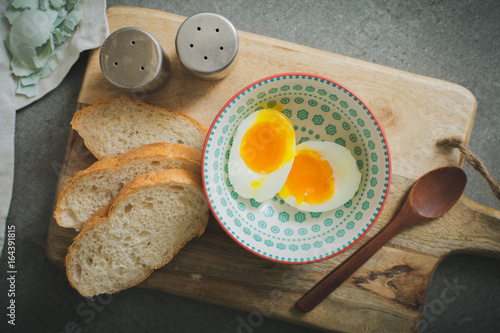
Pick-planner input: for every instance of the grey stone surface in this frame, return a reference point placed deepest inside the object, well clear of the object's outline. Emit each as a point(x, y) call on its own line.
point(456, 41)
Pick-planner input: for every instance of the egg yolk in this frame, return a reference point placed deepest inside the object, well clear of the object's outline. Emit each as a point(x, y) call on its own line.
point(310, 180)
point(268, 143)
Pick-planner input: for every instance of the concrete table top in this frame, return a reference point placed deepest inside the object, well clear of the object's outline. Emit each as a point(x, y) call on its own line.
point(456, 41)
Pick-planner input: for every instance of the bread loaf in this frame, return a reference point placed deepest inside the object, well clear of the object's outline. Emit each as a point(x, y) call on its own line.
point(92, 188)
point(149, 221)
point(115, 126)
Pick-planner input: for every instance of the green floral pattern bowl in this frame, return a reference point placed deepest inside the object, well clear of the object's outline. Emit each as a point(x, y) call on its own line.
point(320, 109)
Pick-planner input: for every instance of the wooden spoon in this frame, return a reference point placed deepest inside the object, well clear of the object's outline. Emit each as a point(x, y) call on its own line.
point(431, 196)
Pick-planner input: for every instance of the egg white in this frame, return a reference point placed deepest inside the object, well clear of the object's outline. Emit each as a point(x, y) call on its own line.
point(345, 172)
point(246, 182)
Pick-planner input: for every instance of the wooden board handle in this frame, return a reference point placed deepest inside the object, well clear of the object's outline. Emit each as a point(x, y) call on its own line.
point(467, 228)
point(479, 229)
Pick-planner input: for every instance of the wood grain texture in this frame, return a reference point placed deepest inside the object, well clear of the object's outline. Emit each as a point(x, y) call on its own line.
point(432, 195)
point(385, 294)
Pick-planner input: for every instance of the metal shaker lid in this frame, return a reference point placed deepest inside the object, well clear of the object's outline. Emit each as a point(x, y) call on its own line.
point(132, 59)
point(207, 44)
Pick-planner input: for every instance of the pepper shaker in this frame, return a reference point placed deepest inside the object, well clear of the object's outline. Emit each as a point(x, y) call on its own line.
point(133, 60)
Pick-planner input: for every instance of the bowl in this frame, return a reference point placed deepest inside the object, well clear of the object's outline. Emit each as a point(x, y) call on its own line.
point(320, 109)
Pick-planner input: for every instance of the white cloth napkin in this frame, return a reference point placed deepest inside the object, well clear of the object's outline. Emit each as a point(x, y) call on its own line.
point(91, 33)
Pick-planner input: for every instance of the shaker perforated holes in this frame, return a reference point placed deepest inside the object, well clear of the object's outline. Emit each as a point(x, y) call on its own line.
point(205, 57)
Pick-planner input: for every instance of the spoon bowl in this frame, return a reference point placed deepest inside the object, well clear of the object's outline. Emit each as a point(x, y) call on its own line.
point(437, 191)
point(431, 196)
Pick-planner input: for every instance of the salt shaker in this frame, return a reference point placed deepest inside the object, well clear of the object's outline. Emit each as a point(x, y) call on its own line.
point(207, 45)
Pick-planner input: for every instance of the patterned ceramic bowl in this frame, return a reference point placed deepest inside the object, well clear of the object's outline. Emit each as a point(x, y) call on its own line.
point(320, 109)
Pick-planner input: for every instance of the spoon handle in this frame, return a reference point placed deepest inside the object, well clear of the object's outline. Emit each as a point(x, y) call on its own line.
point(336, 277)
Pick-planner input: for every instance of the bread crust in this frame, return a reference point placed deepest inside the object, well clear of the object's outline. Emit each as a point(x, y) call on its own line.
point(170, 176)
point(80, 113)
point(159, 150)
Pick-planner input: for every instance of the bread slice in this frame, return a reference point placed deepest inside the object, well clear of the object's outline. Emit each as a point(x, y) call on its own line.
point(149, 221)
point(115, 126)
point(95, 187)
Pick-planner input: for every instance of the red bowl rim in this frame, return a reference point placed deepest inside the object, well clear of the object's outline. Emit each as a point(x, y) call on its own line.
point(320, 77)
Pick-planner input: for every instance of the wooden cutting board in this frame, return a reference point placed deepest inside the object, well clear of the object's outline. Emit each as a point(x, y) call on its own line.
point(388, 292)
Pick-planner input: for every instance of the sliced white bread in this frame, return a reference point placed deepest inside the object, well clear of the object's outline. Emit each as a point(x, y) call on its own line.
point(95, 187)
point(115, 126)
point(149, 221)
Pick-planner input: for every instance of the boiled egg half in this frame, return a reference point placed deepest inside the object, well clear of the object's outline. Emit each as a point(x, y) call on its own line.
point(262, 154)
point(324, 176)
